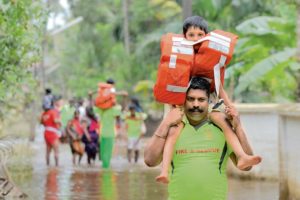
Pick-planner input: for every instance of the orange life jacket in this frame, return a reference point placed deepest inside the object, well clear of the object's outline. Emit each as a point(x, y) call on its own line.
point(178, 63)
point(105, 98)
point(174, 70)
point(214, 53)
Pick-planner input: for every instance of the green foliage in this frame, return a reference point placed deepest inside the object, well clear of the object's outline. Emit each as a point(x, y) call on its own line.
point(266, 51)
point(21, 25)
point(94, 49)
point(263, 67)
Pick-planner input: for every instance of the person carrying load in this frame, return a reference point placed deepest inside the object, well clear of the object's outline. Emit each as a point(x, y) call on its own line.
point(197, 53)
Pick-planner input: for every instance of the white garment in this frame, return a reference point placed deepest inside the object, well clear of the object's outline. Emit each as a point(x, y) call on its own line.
point(133, 143)
point(82, 113)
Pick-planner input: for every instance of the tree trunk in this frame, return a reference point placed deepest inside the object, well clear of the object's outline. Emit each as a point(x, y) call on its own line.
point(186, 8)
point(126, 26)
point(298, 52)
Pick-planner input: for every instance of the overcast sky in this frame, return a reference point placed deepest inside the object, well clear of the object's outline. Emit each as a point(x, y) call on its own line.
point(60, 18)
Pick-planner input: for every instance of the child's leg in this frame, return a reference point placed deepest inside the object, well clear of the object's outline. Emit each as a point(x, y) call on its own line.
point(244, 160)
point(168, 153)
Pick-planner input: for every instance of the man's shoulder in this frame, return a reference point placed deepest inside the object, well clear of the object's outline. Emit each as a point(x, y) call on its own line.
point(213, 126)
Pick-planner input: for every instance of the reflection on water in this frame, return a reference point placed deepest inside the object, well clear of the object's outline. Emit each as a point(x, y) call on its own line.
point(123, 182)
point(108, 185)
point(134, 184)
point(51, 185)
point(253, 189)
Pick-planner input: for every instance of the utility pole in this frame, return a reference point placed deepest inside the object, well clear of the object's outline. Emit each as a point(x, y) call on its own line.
point(126, 26)
point(187, 8)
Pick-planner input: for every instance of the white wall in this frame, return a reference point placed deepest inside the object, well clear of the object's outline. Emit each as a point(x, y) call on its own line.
point(274, 132)
point(289, 152)
point(260, 122)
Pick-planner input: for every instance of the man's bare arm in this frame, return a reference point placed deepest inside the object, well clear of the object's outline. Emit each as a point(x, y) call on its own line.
point(155, 147)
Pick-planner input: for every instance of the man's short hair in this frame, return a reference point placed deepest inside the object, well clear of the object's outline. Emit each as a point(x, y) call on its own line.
point(195, 21)
point(110, 81)
point(48, 91)
point(201, 84)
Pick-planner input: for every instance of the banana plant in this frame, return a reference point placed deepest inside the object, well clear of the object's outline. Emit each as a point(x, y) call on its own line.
point(266, 50)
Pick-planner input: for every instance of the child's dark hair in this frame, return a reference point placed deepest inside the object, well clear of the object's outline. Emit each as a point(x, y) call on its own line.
point(201, 84)
point(194, 21)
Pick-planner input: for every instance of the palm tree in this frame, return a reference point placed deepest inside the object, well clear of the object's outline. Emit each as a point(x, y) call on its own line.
point(186, 8)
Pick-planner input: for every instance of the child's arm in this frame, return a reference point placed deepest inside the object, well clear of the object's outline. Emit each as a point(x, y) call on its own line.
point(168, 152)
point(154, 149)
point(225, 97)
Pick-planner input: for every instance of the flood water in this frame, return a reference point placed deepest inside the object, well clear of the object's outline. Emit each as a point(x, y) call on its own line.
point(123, 181)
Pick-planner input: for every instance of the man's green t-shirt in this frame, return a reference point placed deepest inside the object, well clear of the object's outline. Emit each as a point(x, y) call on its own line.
point(108, 120)
point(199, 164)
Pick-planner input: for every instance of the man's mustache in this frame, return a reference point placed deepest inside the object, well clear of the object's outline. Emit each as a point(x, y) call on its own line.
point(196, 110)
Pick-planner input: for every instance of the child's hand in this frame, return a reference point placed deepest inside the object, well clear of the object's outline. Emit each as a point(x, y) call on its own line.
point(175, 115)
point(233, 116)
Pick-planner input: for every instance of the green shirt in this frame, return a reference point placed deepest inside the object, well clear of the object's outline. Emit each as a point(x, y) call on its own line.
point(134, 124)
point(196, 173)
point(108, 120)
point(66, 113)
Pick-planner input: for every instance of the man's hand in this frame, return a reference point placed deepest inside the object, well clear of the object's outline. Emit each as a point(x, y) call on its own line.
point(174, 116)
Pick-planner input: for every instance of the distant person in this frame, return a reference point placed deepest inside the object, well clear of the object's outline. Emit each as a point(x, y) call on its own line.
point(75, 132)
point(82, 108)
point(52, 123)
point(134, 121)
point(91, 127)
point(108, 120)
point(138, 108)
point(67, 113)
point(47, 99)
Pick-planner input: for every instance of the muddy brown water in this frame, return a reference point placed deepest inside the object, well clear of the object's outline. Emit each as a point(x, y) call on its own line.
point(123, 181)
